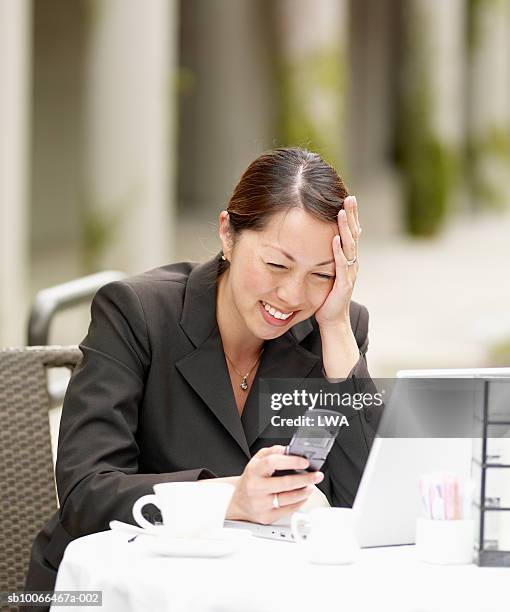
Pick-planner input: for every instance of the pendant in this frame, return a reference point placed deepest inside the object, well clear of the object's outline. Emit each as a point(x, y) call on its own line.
point(244, 384)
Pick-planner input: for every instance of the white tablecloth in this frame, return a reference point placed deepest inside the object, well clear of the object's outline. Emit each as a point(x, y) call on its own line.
point(272, 576)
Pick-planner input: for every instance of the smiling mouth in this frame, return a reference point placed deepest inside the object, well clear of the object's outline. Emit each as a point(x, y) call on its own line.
point(275, 313)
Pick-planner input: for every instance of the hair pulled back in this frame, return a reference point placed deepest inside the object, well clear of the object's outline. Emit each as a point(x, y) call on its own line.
point(279, 180)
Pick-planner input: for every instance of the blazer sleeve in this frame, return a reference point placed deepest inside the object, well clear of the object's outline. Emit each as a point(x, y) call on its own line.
point(97, 460)
point(362, 380)
point(347, 459)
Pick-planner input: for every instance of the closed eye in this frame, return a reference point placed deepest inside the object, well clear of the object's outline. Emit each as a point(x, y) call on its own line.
point(281, 267)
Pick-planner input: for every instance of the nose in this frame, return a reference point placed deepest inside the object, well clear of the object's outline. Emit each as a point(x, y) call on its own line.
point(291, 292)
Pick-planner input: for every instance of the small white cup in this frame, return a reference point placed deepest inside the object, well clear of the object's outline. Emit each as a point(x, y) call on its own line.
point(189, 509)
point(445, 542)
point(326, 535)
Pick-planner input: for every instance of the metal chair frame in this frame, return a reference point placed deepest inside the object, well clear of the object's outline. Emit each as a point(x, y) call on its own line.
point(49, 302)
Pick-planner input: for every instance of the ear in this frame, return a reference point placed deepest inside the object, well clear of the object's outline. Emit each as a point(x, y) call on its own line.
point(225, 234)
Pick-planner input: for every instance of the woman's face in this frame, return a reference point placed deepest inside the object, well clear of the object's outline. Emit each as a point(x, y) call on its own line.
point(287, 268)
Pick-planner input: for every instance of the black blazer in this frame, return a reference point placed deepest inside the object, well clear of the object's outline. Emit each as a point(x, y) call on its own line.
point(152, 401)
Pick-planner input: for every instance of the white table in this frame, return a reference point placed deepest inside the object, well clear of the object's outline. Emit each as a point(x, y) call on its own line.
point(272, 576)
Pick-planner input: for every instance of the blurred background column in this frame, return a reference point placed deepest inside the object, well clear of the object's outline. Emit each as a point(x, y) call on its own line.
point(374, 50)
point(227, 112)
point(489, 104)
point(313, 75)
point(431, 109)
point(129, 131)
point(15, 45)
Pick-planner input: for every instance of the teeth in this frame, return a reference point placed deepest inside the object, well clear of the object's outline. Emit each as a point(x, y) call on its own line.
point(276, 313)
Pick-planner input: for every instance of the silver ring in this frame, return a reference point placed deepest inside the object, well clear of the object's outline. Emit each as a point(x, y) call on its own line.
point(350, 262)
point(276, 503)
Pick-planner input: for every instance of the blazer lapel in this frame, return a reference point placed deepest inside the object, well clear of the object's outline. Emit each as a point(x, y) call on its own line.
point(205, 368)
point(206, 371)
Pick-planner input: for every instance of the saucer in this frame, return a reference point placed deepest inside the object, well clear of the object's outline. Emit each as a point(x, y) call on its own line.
point(218, 544)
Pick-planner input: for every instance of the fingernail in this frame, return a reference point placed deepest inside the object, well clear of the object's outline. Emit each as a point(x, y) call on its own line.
point(319, 476)
point(355, 200)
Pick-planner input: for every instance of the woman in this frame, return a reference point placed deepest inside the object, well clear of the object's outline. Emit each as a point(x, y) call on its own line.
point(168, 386)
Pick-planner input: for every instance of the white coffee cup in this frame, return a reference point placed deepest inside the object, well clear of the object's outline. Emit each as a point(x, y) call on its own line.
point(326, 535)
point(188, 509)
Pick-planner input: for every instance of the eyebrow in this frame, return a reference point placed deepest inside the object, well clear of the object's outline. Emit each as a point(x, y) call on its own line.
point(323, 263)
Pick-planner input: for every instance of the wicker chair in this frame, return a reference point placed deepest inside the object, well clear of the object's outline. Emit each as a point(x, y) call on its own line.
point(26, 467)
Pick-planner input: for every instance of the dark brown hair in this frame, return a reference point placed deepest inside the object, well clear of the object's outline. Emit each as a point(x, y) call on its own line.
point(279, 180)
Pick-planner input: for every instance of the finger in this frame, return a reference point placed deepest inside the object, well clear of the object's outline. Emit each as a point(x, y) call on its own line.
point(270, 450)
point(293, 497)
point(347, 241)
point(270, 463)
point(340, 259)
point(356, 215)
point(350, 208)
point(280, 484)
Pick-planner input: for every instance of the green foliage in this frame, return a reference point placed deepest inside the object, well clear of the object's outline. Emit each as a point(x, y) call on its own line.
point(497, 142)
point(430, 167)
point(98, 232)
point(430, 174)
point(101, 222)
point(183, 82)
point(95, 236)
point(493, 148)
point(321, 74)
point(93, 12)
point(474, 10)
point(499, 354)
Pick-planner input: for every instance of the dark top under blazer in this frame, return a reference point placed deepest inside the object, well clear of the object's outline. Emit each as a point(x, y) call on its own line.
point(152, 401)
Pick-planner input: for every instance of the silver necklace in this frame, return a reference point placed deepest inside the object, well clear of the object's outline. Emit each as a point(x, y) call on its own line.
point(244, 381)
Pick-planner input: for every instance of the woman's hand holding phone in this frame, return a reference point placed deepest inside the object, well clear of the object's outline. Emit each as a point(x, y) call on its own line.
point(256, 488)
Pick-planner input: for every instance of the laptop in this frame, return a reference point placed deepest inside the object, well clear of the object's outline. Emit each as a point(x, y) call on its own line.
point(387, 501)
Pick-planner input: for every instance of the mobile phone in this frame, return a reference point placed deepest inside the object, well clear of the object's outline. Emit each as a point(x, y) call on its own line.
point(313, 441)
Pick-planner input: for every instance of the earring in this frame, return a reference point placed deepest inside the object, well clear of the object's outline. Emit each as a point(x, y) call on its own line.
point(223, 257)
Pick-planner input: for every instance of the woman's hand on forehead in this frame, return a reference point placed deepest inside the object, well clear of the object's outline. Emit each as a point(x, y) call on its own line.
point(335, 309)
